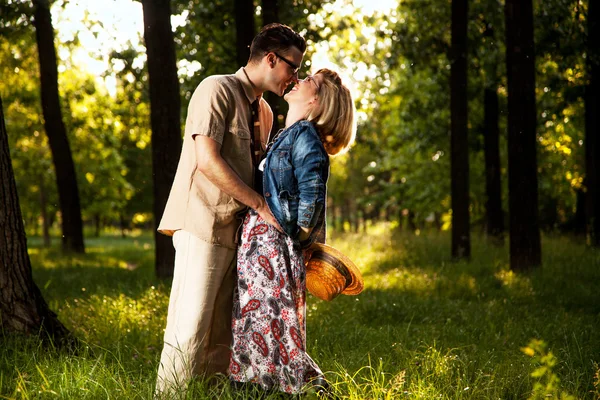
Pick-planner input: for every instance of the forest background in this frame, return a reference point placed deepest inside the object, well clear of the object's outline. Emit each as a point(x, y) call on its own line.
point(436, 147)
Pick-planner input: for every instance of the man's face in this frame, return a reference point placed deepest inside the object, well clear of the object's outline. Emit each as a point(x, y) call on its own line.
point(285, 71)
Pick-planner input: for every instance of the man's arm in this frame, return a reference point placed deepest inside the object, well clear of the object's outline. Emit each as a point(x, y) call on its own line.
point(214, 167)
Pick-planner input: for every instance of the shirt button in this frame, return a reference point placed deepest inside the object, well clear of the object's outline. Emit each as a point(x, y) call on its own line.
point(267, 194)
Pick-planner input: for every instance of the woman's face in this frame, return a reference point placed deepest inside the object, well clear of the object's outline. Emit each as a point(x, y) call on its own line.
point(305, 90)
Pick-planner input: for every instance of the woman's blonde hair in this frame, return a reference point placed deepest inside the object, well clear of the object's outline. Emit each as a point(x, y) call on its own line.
point(334, 117)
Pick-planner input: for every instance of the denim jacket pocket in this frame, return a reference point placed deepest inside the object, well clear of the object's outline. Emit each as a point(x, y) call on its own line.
point(281, 160)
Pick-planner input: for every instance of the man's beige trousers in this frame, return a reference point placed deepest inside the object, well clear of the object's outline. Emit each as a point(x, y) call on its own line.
point(198, 335)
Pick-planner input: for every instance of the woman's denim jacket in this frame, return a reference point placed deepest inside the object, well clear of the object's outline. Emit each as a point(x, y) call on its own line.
point(294, 181)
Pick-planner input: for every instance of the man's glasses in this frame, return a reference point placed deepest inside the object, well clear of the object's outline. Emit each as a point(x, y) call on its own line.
point(295, 68)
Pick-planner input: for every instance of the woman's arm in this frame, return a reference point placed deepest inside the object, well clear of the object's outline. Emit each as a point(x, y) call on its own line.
point(311, 168)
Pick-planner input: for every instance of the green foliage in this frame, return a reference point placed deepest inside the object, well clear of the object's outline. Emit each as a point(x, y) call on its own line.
point(30, 153)
point(404, 104)
point(424, 327)
point(548, 383)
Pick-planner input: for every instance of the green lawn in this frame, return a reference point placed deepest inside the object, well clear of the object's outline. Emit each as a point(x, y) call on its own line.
point(424, 328)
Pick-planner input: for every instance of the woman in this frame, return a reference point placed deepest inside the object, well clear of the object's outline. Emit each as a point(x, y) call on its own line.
point(269, 335)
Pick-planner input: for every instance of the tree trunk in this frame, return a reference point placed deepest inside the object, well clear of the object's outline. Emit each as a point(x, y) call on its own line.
point(592, 141)
point(22, 307)
point(338, 225)
point(164, 117)
point(123, 225)
point(355, 217)
point(68, 194)
point(400, 217)
point(270, 12)
point(525, 246)
point(345, 215)
point(412, 224)
point(491, 135)
point(98, 223)
point(44, 211)
point(493, 186)
point(577, 224)
point(461, 241)
point(244, 22)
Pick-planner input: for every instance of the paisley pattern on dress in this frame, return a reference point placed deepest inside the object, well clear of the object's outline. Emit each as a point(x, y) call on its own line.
point(269, 326)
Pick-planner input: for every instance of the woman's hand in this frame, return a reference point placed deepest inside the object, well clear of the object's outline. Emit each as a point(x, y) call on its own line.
point(304, 233)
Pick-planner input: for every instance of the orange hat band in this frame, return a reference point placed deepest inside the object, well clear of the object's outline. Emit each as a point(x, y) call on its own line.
point(335, 263)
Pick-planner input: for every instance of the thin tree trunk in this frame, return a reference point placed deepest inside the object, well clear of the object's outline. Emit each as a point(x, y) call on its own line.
point(123, 225)
point(68, 194)
point(592, 139)
point(98, 223)
point(355, 217)
point(437, 221)
point(493, 186)
point(44, 211)
point(270, 13)
point(400, 216)
point(578, 223)
point(244, 25)
point(337, 219)
point(345, 215)
point(461, 240)
point(525, 246)
point(165, 118)
point(22, 307)
point(412, 224)
point(491, 136)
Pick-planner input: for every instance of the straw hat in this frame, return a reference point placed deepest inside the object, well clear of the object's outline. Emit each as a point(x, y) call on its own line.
point(329, 273)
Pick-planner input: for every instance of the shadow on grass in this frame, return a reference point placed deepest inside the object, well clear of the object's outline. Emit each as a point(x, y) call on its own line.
point(111, 266)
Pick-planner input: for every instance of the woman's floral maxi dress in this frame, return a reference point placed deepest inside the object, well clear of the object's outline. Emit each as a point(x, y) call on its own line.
point(269, 307)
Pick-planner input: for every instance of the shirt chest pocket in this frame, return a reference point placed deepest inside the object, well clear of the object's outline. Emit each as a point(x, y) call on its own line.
point(236, 144)
point(240, 132)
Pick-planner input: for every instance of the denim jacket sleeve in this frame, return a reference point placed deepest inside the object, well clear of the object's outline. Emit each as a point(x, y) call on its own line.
point(311, 168)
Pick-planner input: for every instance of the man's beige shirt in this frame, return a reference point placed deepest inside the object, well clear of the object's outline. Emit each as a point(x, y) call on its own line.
point(219, 109)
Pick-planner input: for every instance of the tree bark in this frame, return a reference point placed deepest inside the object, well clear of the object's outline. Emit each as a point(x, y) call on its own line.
point(244, 22)
point(592, 140)
point(459, 146)
point(22, 307)
point(164, 117)
point(525, 246)
point(66, 179)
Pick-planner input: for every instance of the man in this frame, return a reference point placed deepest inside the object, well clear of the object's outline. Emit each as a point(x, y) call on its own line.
point(212, 184)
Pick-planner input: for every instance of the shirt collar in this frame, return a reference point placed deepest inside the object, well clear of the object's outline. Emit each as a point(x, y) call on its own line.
point(247, 86)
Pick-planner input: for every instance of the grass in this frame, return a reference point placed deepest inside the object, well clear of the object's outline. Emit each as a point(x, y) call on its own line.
point(424, 328)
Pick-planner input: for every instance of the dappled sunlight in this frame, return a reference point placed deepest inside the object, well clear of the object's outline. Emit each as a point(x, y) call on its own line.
point(519, 284)
point(401, 279)
point(424, 326)
point(102, 319)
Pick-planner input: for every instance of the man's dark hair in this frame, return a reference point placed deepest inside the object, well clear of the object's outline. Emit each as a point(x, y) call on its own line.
point(276, 38)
